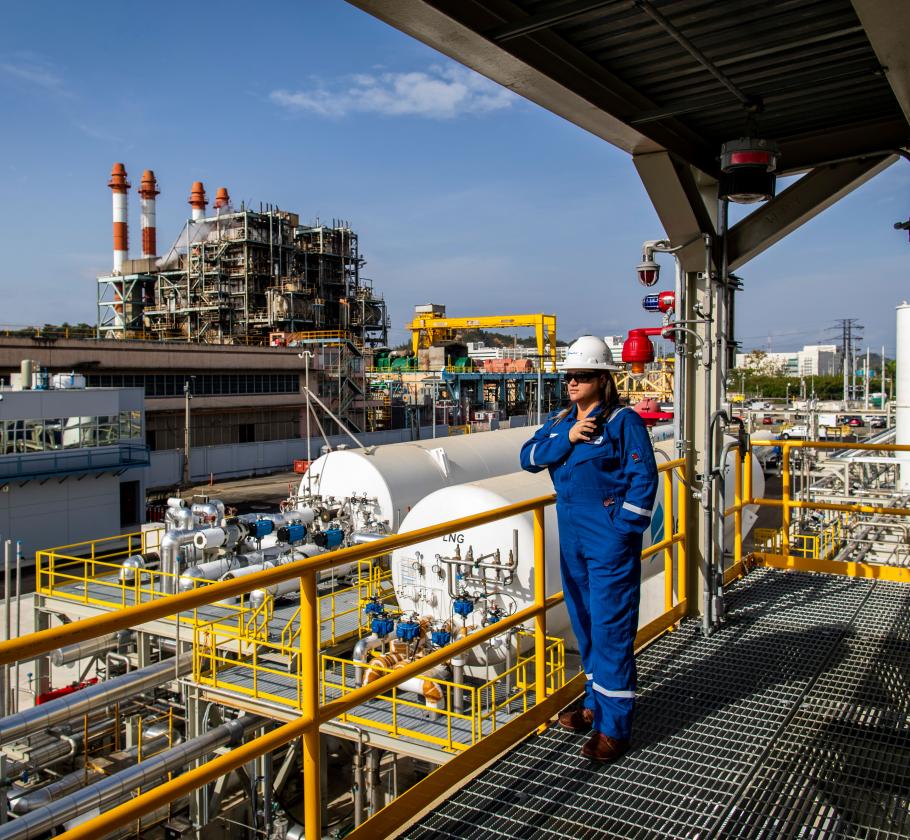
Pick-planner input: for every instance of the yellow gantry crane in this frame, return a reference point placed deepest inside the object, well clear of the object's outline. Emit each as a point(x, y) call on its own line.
point(432, 326)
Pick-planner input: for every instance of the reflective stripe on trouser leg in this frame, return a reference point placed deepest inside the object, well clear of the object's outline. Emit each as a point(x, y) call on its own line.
point(630, 695)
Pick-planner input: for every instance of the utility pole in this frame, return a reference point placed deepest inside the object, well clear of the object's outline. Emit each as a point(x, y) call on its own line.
point(866, 381)
point(849, 329)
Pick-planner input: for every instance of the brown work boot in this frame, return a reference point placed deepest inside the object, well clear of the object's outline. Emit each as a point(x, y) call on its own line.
point(578, 720)
point(600, 747)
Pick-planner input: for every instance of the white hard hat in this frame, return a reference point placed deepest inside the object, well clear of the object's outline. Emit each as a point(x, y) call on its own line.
point(588, 353)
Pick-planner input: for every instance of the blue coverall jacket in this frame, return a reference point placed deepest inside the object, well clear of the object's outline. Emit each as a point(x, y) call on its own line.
point(605, 491)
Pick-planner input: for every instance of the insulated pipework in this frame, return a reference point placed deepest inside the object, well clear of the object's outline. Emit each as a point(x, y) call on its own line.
point(82, 650)
point(90, 699)
point(119, 787)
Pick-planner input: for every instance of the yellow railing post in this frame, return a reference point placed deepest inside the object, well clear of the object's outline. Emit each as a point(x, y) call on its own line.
point(540, 594)
point(668, 533)
point(738, 510)
point(785, 498)
point(682, 503)
point(309, 646)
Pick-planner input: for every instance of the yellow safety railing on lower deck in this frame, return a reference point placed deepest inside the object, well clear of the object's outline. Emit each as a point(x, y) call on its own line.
point(96, 577)
point(313, 715)
point(785, 549)
point(485, 706)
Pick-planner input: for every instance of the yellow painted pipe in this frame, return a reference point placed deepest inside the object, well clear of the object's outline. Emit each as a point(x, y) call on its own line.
point(668, 532)
point(830, 444)
point(309, 688)
point(847, 508)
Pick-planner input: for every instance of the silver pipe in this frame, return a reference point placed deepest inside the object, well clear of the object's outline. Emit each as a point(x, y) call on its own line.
point(118, 787)
point(357, 786)
point(212, 570)
point(33, 799)
point(374, 787)
point(458, 663)
point(82, 650)
point(135, 564)
point(361, 649)
point(37, 718)
point(267, 776)
point(361, 537)
point(708, 488)
point(171, 543)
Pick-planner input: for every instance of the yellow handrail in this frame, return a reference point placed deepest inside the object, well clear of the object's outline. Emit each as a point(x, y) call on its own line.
point(307, 725)
point(825, 543)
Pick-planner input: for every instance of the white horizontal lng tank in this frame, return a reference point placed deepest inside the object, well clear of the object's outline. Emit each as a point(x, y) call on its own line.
point(399, 475)
point(422, 578)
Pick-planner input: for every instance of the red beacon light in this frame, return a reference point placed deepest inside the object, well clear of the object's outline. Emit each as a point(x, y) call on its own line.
point(638, 351)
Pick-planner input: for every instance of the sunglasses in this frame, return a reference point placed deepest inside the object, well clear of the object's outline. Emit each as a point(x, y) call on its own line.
point(580, 375)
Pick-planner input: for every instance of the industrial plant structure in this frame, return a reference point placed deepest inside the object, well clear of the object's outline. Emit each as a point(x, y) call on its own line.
point(235, 275)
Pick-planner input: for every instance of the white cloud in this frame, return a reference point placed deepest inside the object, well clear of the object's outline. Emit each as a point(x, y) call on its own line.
point(439, 93)
point(34, 71)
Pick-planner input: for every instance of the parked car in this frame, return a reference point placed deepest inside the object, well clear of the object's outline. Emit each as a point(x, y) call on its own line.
point(767, 420)
point(854, 421)
point(795, 432)
point(878, 423)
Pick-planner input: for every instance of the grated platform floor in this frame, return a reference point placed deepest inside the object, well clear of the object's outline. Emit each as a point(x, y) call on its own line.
point(791, 721)
point(412, 716)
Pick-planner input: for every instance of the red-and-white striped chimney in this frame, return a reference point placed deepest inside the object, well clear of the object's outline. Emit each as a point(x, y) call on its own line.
point(222, 199)
point(198, 201)
point(119, 186)
point(148, 189)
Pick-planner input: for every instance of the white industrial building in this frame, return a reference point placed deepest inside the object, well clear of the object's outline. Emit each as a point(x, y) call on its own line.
point(812, 360)
point(72, 465)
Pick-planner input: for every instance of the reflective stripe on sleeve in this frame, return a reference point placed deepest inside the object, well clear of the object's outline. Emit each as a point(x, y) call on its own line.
point(636, 509)
point(608, 693)
point(589, 676)
point(531, 456)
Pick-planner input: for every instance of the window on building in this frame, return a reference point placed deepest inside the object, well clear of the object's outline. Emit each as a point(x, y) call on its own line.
point(246, 432)
point(209, 384)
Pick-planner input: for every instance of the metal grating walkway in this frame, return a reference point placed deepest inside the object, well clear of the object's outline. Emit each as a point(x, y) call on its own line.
point(792, 721)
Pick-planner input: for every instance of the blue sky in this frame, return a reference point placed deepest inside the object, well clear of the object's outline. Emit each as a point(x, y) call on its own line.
point(462, 193)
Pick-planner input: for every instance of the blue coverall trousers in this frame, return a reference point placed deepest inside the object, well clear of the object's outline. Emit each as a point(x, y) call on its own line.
point(601, 577)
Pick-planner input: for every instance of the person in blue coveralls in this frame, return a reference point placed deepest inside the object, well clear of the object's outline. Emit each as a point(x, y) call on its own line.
point(600, 458)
